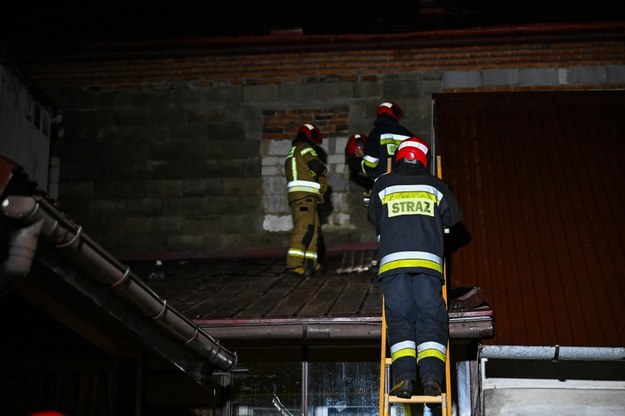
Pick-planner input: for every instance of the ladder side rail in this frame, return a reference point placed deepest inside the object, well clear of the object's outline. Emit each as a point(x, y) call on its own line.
point(439, 174)
point(382, 404)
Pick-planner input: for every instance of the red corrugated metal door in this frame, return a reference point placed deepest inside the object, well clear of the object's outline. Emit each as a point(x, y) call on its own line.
point(540, 177)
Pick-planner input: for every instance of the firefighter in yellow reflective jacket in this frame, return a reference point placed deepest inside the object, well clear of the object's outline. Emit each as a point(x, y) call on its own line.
point(306, 185)
point(410, 208)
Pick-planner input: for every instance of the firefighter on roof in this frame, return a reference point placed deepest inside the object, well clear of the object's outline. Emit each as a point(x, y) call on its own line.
point(383, 140)
point(306, 185)
point(354, 153)
point(410, 208)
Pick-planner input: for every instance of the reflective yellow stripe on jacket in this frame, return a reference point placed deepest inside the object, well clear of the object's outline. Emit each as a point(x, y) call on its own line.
point(392, 142)
point(427, 192)
point(404, 259)
point(370, 161)
point(303, 186)
point(298, 184)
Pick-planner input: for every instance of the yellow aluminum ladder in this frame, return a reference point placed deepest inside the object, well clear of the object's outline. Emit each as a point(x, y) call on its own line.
point(385, 363)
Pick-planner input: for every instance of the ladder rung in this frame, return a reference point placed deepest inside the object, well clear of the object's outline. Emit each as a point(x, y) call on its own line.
point(417, 399)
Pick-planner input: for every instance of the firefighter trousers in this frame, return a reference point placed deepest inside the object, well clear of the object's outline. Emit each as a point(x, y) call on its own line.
point(417, 326)
point(305, 235)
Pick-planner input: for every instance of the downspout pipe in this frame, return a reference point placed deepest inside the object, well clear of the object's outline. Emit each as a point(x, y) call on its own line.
point(22, 247)
point(57, 230)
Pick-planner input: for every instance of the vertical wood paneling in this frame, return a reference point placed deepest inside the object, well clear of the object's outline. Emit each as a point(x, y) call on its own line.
point(539, 176)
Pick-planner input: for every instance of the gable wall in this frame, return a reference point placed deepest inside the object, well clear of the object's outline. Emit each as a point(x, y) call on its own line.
point(185, 155)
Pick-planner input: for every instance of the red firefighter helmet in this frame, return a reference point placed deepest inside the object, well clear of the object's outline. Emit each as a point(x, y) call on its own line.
point(354, 142)
point(413, 150)
point(390, 108)
point(312, 133)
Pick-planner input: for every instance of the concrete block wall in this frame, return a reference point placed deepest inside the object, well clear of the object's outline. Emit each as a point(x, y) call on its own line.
point(186, 155)
point(25, 128)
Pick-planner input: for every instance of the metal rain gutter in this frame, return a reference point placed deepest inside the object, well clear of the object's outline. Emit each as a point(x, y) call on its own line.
point(552, 353)
point(65, 235)
point(336, 328)
point(295, 328)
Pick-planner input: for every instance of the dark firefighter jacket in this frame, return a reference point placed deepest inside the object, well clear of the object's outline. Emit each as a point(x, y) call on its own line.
point(410, 209)
point(382, 142)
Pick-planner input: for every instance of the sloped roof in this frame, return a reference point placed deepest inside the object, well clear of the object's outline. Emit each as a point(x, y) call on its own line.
point(250, 296)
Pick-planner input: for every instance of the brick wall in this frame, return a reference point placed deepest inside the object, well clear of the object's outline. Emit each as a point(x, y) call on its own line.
point(186, 155)
point(346, 66)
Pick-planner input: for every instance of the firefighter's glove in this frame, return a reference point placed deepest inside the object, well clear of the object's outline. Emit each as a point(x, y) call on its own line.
point(323, 181)
point(366, 197)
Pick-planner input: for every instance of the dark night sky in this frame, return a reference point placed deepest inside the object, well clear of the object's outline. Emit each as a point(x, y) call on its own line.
point(30, 21)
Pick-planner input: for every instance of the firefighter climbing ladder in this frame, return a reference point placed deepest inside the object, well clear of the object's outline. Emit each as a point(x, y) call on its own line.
point(444, 400)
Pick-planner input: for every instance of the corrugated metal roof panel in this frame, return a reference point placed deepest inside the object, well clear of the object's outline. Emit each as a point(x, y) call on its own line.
point(539, 176)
